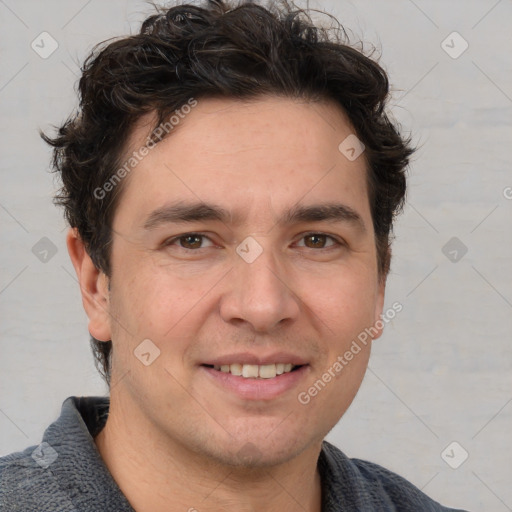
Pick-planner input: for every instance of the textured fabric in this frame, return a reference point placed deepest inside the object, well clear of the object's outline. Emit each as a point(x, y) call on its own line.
point(66, 473)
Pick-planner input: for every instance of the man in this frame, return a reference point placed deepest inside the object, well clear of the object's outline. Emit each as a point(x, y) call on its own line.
point(230, 181)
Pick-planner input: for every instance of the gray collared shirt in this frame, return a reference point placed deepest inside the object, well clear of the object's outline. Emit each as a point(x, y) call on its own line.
point(65, 473)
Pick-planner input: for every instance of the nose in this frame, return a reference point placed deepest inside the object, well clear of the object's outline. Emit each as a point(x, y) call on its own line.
point(260, 294)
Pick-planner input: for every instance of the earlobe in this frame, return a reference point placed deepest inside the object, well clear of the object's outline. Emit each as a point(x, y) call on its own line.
point(93, 287)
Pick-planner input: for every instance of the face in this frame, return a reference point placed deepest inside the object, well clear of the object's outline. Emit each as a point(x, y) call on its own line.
point(243, 243)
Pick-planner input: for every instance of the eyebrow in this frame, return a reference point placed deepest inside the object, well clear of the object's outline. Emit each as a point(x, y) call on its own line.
point(182, 212)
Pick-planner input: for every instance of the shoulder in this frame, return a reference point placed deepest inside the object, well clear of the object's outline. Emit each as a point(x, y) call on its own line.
point(375, 486)
point(21, 480)
point(16, 467)
point(40, 476)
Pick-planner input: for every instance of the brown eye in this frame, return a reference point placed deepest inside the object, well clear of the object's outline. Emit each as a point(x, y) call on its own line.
point(318, 241)
point(315, 241)
point(191, 241)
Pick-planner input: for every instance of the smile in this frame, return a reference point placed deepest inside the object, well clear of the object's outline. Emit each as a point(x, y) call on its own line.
point(254, 371)
point(257, 382)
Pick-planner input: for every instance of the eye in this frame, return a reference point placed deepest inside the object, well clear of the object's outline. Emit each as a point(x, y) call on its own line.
point(195, 241)
point(190, 241)
point(318, 241)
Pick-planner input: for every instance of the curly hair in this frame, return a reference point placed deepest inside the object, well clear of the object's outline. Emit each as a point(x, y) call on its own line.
point(219, 49)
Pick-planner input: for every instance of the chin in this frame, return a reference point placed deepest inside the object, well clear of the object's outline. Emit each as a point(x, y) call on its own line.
point(259, 452)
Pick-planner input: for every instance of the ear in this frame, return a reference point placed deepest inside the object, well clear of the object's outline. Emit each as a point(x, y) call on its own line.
point(378, 323)
point(379, 307)
point(93, 287)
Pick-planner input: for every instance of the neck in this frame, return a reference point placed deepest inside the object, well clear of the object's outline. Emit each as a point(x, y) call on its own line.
point(158, 474)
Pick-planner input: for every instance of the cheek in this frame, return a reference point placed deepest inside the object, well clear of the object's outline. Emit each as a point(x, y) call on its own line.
point(345, 304)
point(157, 301)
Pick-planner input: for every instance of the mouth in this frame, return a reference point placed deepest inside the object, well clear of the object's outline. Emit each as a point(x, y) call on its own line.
point(254, 371)
point(257, 382)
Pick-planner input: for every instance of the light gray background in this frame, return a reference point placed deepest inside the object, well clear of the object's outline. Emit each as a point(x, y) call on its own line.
point(440, 373)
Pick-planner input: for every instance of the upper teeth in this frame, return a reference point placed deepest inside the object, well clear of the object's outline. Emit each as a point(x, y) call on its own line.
point(264, 371)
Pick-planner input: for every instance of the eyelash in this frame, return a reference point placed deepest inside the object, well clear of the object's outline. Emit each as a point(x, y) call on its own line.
point(336, 241)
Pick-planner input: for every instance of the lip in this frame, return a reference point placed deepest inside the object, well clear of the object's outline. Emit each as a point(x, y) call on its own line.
point(256, 389)
point(248, 358)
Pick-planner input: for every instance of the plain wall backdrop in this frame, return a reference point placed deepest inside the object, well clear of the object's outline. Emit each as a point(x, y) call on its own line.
point(441, 373)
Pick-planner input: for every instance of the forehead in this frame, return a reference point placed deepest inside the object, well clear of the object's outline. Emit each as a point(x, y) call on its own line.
point(253, 116)
point(246, 152)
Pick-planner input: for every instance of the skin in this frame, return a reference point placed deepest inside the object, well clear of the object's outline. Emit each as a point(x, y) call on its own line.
point(173, 438)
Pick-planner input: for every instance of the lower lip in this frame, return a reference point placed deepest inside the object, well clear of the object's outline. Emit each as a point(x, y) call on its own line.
point(257, 389)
